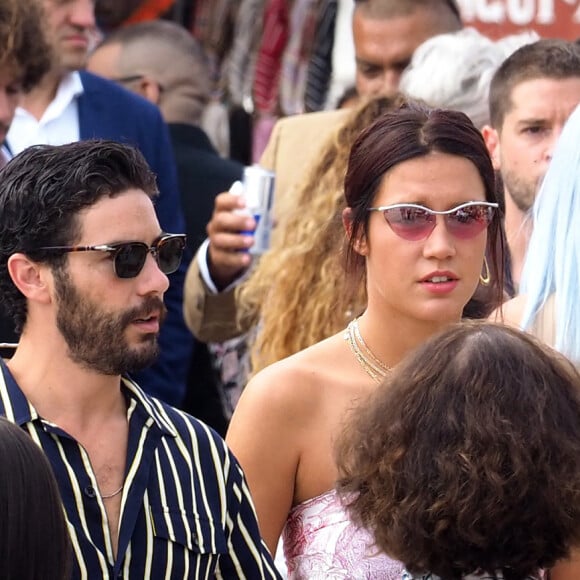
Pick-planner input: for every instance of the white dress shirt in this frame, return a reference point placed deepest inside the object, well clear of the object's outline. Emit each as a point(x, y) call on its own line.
point(59, 123)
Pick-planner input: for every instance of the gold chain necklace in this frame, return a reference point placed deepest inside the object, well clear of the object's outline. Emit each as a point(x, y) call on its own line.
point(375, 368)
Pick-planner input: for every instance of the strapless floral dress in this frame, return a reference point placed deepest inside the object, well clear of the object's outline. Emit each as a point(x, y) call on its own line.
point(320, 542)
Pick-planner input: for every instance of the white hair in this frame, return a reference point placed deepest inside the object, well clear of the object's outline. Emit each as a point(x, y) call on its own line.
point(454, 71)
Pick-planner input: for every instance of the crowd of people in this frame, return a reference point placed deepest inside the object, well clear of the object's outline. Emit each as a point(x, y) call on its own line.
point(390, 391)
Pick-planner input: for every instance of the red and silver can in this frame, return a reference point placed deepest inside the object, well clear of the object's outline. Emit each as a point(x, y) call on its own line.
point(258, 194)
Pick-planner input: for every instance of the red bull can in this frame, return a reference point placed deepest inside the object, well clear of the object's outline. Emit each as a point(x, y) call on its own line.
point(258, 194)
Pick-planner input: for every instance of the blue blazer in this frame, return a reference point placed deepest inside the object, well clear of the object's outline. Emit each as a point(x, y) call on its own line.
point(108, 111)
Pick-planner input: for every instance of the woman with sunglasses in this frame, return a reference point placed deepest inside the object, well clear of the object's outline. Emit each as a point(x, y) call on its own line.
point(421, 215)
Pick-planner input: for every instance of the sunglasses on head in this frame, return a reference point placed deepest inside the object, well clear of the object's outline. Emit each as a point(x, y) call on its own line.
point(129, 257)
point(415, 222)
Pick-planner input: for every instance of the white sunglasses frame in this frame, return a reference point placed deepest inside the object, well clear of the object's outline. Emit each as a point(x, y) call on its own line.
point(433, 211)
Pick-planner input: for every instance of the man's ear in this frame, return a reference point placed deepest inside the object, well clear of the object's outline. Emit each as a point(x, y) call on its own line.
point(150, 89)
point(359, 243)
point(491, 138)
point(29, 277)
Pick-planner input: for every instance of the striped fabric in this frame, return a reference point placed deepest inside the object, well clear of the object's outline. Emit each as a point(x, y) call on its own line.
point(244, 52)
point(186, 510)
point(269, 57)
point(320, 68)
point(296, 56)
point(211, 24)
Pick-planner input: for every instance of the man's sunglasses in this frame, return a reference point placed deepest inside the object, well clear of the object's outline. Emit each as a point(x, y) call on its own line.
point(129, 257)
point(415, 222)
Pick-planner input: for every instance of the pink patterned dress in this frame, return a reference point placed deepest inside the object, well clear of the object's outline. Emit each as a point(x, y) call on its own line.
point(320, 542)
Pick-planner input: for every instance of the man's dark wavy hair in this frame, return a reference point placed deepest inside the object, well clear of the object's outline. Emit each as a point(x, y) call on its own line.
point(467, 459)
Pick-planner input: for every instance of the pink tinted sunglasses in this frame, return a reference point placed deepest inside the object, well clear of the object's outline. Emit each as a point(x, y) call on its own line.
point(415, 222)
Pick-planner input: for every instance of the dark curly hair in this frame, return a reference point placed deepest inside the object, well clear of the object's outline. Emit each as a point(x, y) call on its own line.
point(42, 191)
point(23, 46)
point(467, 458)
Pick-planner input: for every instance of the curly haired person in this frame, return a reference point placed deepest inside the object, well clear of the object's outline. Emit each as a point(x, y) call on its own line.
point(465, 463)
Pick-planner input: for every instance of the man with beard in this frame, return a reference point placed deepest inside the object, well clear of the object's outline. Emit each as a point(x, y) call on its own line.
point(69, 104)
point(148, 491)
point(531, 96)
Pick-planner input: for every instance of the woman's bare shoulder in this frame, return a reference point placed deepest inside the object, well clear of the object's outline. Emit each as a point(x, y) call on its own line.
point(296, 383)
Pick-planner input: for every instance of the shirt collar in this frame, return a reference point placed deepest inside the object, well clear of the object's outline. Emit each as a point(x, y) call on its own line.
point(19, 410)
point(151, 406)
point(68, 90)
point(13, 402)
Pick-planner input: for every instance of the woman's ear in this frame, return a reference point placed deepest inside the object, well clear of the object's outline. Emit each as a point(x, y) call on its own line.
point(29, 277)
point(359, 242)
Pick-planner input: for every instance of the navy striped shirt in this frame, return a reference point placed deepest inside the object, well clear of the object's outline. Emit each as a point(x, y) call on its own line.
point(186, 510)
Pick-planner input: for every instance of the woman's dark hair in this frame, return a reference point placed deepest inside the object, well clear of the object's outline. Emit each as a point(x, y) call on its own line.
point(467, 458)
point(406, 133)
point(34, 541)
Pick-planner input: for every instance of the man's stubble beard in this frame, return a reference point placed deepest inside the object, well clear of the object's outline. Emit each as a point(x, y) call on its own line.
point(96, 338)
point(520, 191)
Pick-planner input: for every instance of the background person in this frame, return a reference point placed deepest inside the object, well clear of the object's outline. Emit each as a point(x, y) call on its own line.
point(454, 71)
point(24, 59)
point(465, 463)
point(162, 62)
point(296, 295)
point(531, 95)
point(69, 104)
point(547, 305)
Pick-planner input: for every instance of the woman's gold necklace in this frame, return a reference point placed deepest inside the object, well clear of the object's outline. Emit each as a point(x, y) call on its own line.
point(375, 368)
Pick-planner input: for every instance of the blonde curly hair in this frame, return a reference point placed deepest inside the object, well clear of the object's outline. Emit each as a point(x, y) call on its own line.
point(299, 291)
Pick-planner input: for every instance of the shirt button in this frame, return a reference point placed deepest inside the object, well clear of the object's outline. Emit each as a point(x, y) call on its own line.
point(90, 491)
